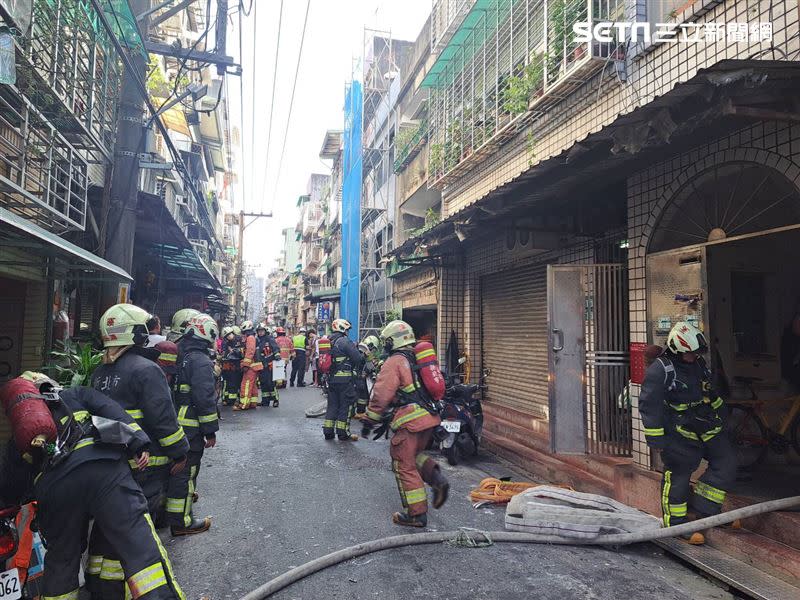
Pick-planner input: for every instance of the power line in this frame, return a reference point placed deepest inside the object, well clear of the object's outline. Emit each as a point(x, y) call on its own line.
point(291, 104)
point(272, 101)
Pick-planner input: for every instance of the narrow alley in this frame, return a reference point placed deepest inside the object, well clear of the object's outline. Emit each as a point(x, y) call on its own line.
point(280, 496)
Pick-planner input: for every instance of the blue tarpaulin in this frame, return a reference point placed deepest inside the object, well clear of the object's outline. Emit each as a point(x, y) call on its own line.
point(351, 207)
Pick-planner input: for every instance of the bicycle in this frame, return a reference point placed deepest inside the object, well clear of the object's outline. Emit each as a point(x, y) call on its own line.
point(752, 433)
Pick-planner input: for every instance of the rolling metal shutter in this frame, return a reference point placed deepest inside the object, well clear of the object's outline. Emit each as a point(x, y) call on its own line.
point(514, 338)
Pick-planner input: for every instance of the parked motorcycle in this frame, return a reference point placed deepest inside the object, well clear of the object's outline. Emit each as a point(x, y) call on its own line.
point(459, 435)
point(10, 585)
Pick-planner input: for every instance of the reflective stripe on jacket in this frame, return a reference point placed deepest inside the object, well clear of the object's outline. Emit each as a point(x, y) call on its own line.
point(395, 375)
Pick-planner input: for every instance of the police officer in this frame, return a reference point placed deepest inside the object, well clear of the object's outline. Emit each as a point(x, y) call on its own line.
point(347, 361)
point(196, 398)
point(80, 480)
point(130, 376)
point(299, 359)
point(681, 416)
point(399, 395)
point(231, 366)
point(267, 350)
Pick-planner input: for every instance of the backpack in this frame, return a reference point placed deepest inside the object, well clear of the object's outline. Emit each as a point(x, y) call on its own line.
point(325, 360)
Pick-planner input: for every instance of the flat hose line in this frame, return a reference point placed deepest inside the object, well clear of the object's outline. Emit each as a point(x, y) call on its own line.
point(489, 538)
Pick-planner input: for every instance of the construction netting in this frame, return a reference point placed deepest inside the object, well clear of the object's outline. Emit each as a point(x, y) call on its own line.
point(351, 206)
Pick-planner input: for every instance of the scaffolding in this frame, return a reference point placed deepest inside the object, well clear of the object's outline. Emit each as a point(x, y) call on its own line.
point(380, 72)
point(505, 64)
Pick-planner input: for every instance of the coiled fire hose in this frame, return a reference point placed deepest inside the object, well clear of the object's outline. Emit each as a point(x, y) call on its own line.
point(418, 539)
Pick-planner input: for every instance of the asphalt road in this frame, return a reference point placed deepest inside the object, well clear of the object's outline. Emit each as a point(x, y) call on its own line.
point(280, 495)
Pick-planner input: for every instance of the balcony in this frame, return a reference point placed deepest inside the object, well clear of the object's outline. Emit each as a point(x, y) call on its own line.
point(408, 143)
point(312, 219)
point(312, 258)
point(446, 18)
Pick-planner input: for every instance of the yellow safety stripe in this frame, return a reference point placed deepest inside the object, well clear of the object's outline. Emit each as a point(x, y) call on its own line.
point(183, 420)
point(416, 496)
point(247, 362)
point(665, 497)
point(173, 438)
point(341, 424)
point(710, 433)
point(207, 418)
point(153, 461)
point(73, 595)
point(166, 357)
point(414, 414)
point(135, 426)
point(426, 353)
point(83, 443)
point(188, 501)
point(78, 415)
point(653, 431)
point(716, 404)
point(146, 580)
point(327, 424)
point(709, 492)
point(165, 560)
point(184, 387)
point(135, 413)
point(373, 415)
point(175, 505)
point(411, 387)
point(679, 510)
point(343, 374)
point(94, 565)
point(421, 460)
point(111, 570)
point(691, 435)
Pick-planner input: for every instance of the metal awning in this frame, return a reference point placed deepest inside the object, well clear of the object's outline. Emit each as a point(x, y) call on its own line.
point(327, 294)
point(20, 233)
point(716, 101)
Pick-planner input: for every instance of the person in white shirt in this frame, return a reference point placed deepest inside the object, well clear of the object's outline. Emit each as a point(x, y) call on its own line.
point(154, 332)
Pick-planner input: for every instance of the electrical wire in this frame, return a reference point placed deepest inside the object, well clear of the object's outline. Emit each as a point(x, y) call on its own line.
point(272, 101)
point(291, 105)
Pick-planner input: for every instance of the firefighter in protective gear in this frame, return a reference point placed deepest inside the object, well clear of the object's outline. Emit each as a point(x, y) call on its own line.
point(287, 351)
point(196, 399)
point(131, 376)
point(346, 362)
point(267, 350)
point(251, 366)
point(89, 480)
point(231, 366)
point(399, 393)
point(370, 349)
point(681, 416)
point(299, 359)
point(179, 321)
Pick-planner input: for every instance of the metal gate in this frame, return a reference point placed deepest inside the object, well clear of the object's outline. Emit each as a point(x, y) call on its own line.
point(588, 359)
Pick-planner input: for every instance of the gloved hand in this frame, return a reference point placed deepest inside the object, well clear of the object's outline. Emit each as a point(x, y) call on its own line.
point(211, 440)
point(178, 466)
point(366, 428)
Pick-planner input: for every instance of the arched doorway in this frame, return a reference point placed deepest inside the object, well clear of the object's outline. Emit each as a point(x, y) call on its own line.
point(724, 253)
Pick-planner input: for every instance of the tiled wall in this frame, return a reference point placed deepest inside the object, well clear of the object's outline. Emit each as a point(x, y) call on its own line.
point(773, 144)
point(651, 73)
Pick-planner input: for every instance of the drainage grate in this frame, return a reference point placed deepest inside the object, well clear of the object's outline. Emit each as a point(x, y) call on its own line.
point(737, 574)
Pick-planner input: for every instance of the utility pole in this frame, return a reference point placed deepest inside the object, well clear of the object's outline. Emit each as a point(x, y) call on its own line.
point(124, 201)
point(239, 299)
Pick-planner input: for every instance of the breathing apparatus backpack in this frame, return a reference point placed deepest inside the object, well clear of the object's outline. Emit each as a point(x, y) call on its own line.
point(428, 379)
point(325, 360)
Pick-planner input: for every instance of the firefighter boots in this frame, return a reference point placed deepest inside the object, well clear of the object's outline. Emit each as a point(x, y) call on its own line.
point(402, 518)
point(196, 526)
point(441, 487)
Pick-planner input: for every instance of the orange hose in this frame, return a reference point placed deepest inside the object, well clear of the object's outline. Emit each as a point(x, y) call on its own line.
point(499, 492)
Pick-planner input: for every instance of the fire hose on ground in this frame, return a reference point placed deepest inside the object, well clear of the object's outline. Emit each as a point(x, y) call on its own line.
point(468, 538)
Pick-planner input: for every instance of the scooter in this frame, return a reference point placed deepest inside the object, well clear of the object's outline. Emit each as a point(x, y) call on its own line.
point(13, 584)
point(459, 435)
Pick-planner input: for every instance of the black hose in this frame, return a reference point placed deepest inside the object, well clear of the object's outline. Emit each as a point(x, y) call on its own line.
point(418, 539)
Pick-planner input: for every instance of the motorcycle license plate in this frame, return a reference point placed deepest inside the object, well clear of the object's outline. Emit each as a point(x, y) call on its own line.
point(451, 426)
point(10, 588)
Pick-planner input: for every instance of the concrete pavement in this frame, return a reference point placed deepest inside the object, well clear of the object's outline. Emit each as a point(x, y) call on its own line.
point(281, 495)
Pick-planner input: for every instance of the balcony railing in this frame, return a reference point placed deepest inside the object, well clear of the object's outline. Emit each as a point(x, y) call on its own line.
point(446, 17)
point(409, 147)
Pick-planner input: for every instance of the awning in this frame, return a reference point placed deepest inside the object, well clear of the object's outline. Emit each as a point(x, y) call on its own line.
point(715, 102)
point(326, 295)
point(18, 232)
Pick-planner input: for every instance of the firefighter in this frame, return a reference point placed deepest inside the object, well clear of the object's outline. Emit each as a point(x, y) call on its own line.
point(267, 350)
point(195, 396)
point(681, 416)
point(179, 321)
point(400, 396)
point(341, 387)
point(287, 351)
point(370, 349)
point(231, 366)
point(248, 393)
point(299, 359)
point(89, 480)
point(130, 376)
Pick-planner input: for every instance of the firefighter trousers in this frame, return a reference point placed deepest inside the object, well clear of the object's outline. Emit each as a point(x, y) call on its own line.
point(298, 369)
point(106, 491)
point(181, 487)
point(153, 481)
point(268, 391)
point(248, 393)
point(232, 382)
point(341, 398)
point(412, 468)
point(681, 458)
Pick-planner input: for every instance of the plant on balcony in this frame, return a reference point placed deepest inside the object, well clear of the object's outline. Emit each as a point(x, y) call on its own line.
point(519, 88)
point(436, 159)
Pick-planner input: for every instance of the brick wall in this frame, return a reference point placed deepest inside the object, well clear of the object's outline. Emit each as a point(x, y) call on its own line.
point(772, 144)
point(651, 73)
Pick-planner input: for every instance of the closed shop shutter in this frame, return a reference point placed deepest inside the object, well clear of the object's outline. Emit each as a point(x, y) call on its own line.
point(515, 340)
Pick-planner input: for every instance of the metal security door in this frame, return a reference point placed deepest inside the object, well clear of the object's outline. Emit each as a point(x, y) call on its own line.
point(589, 371)
point(565, 323)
